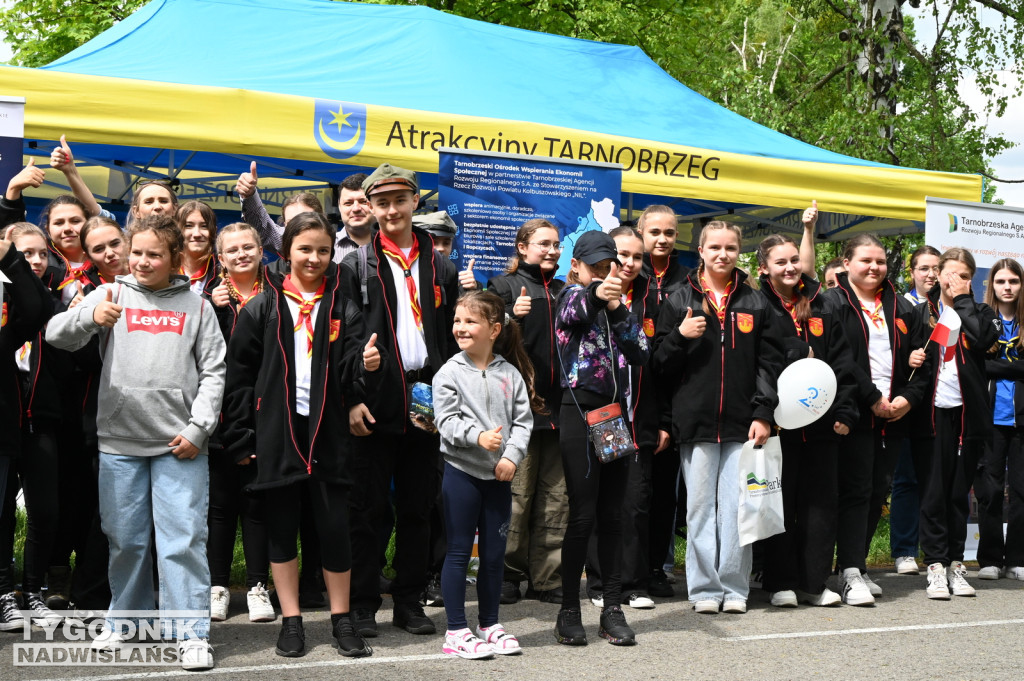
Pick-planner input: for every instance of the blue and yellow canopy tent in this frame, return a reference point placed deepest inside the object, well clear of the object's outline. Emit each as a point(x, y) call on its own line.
point(314, 90)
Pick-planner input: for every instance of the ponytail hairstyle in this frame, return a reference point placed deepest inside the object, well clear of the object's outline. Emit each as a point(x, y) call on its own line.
point(523, 236)
point(625, 230)
point(137, 196)
point(961, 255)
point(61, 200)
point(238, 227)
point(852, 244)
point(651, 210)
point(308, 199)
point(711, 226)
point(95, 222)
point(990, 296)
point(509, 343)
point(802, 304)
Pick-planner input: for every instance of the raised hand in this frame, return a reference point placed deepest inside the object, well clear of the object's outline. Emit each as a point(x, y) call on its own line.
point(810, 217)
point(371, 355)
point(523, 304)
point(61, 157)
point(611, 288)
point(106, 313)
point(29, 176)
point(466, 279)
point(490, 439)
point(246, 185)
point(220, 295)
point(692, 327)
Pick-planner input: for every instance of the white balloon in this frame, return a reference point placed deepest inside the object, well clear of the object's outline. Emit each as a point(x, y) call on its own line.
point(806, 388)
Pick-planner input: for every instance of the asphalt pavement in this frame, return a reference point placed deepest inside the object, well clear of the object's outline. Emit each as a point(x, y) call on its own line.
point(904, 636)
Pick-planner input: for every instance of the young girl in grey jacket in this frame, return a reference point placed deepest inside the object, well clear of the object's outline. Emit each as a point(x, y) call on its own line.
point(483, 408)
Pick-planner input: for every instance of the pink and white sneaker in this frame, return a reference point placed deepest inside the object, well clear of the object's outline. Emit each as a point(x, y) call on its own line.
point(500, 641)
point(464, 644)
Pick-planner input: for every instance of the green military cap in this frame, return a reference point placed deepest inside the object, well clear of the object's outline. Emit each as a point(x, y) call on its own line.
point(438, 224)
point(389, 178)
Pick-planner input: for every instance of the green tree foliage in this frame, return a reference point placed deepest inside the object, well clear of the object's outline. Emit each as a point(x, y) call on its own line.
point(40, 31)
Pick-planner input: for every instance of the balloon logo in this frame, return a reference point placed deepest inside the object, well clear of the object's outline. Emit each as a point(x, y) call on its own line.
point(806, 390)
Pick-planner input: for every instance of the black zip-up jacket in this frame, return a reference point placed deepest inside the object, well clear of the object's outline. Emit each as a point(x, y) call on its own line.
point(906, 334)
point(25, 308)
point(725, 379)
point(647, 398)
point(259, 395)
point(823, 334)
point(979, 330)
point(438, 289)
point(538, 332)
point(671, 281)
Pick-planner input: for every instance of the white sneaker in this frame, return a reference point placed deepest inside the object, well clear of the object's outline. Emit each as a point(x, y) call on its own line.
point(706, 607)
point(260, 607)
point(907, 565)
point(195, 653)
point(735, 607)
point(108, 640)
point(784, 599)
point(938, 588)
point(855, 590)
point(956, 574)
point(500, 641)
point(597, 601)
point(640, 602)
point(465, 644)
point(219, 599)
point(872, 587)
point(990, 572)
point(825, 599)
point(1015, 573)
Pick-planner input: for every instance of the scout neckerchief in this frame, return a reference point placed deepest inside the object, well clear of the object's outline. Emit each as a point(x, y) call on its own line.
point(237, 295)
point(790, 307)
point(393, 251)
point(875, 315)
point(305, 308)
point(629, 297)
point(74, 273)
point(720, 304)
point(25, 349)
point(1008, 346)
point(198, 276)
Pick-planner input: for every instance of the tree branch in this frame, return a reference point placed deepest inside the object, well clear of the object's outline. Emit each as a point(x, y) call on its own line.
point(1002, 9)
point(820, 84)
point(996, 179)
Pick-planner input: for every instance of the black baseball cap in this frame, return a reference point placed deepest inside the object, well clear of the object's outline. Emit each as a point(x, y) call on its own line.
point(594, 246)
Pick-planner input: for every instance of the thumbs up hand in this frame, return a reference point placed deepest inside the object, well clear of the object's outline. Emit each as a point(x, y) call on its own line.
point(220, 295)
point(810, 217)
point(78, 296)
point(5, 242)
point(246, 185)
point(106, 313)
point(523, 304)
point(611, 288)
point(30, 176)
point(371, 355)
point(61, 157)
point(490, 439)
point(466, 279)
point(692, 327)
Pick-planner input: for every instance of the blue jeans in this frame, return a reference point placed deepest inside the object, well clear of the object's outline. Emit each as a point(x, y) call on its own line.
point(904, 506)
point(717, 567)
point(140, 494)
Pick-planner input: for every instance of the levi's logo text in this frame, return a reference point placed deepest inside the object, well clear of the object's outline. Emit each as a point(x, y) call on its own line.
point(339, 127)
point(155, 321)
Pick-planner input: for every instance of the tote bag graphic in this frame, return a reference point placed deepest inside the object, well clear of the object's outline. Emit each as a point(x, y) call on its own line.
point(760, 490)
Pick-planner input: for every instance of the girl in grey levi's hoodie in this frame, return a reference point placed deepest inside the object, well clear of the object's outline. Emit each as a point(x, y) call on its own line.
point(482, 408)
point(160, 395)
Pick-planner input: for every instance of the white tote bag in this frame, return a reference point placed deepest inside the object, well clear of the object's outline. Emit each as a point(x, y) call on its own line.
point(760, 511)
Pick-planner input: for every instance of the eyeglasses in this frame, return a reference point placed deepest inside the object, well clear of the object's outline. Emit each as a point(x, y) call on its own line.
point(924, 269)
point(248, 249)
point(547, 245)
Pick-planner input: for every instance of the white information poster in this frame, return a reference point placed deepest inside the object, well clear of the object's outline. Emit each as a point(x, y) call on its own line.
point(12, 136)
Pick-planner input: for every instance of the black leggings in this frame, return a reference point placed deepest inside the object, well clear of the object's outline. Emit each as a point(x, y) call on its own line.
point(38, 470)
point(596, 492)
point(329, 503)
point(1002, 462)
point(228, 503)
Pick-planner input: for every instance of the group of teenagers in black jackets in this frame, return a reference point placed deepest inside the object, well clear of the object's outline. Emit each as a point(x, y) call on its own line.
point(317, 368)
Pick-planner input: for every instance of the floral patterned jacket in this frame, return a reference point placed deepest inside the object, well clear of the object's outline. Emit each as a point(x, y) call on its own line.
point(582, 325)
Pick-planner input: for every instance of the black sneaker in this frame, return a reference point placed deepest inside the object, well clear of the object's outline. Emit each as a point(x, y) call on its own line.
point(510, 592)
point(346, 639)
point(365, 622)
point(614, 627)
point(569, 628)
point(410, 616)
point(291, 642)
point(40, 615)
point(550, 596)
point(659, 585)
point(11, 618)
point(432, 594)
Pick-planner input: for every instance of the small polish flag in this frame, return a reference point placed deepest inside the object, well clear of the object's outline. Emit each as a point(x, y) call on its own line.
point(947, 332)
